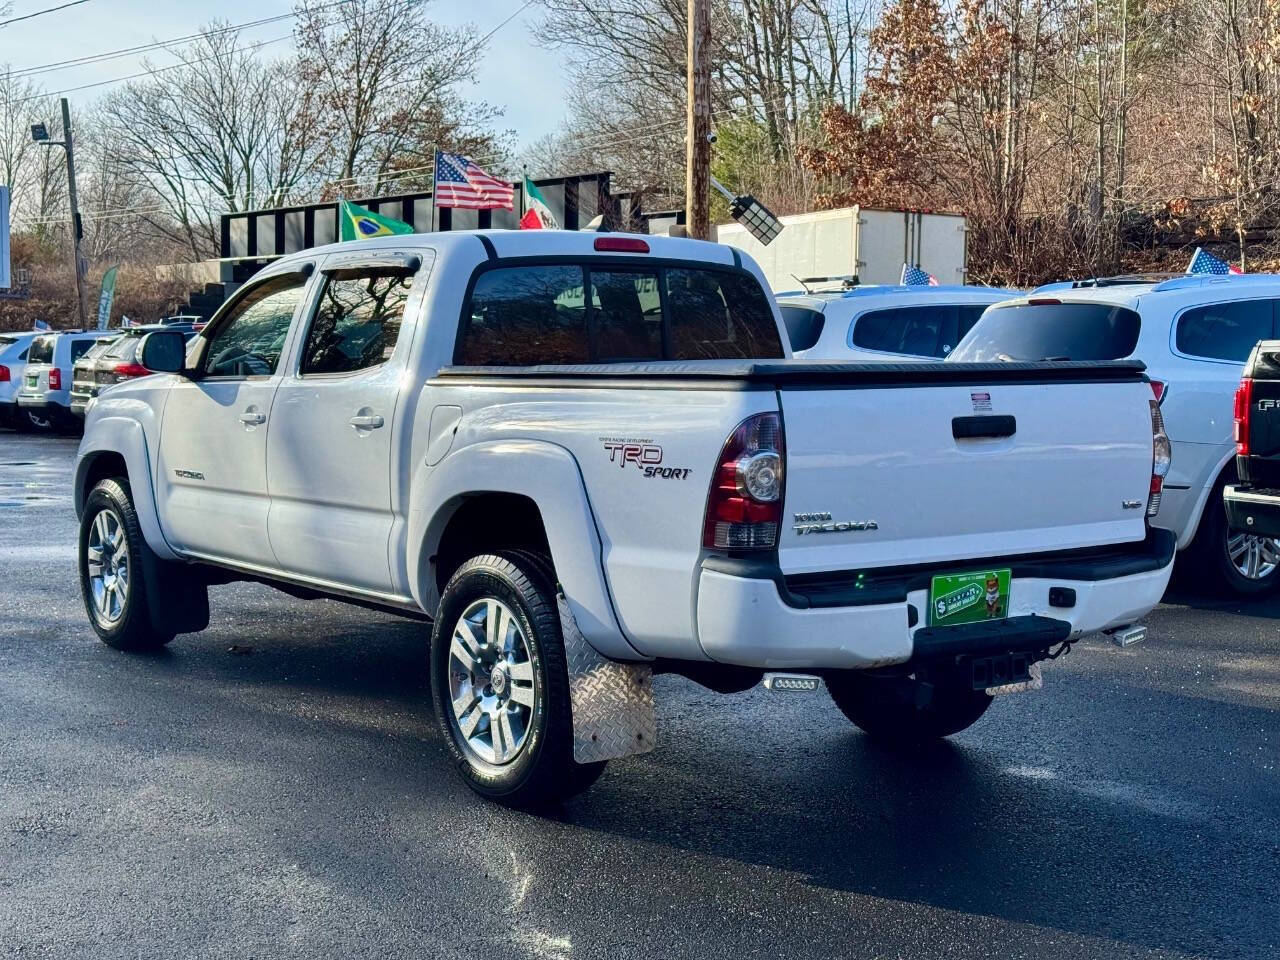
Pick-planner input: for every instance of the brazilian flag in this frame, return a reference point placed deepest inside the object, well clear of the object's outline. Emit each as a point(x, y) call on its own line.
point(357, 223)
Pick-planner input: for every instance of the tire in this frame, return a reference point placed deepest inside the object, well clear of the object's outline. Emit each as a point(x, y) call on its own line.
point(526, 759)
point(1209, 563)
point(889, 709)
point(115, 590)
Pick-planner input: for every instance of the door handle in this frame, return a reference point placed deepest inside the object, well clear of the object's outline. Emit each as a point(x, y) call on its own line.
point(369, 422)
point(252, 418)
point(968, 428)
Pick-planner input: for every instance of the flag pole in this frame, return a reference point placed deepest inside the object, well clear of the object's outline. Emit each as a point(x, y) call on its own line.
point(435, 183)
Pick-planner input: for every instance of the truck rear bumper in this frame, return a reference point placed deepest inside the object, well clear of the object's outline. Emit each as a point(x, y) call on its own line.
point(750, 618)
point(1251, 510)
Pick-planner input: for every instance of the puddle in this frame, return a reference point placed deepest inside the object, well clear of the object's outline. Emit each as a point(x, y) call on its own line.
point(18, 463)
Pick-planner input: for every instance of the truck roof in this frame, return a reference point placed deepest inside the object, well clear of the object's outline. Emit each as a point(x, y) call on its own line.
point(529, 243)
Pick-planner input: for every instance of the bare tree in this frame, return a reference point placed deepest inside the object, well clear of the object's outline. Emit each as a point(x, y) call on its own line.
point(384, 86)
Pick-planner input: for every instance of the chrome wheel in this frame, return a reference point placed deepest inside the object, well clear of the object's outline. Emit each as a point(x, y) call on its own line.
point(491, 681)
point(1254, 557)
point(107, 556)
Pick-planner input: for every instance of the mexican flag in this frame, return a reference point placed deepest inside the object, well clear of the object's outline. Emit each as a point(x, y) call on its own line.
point(357, 223)
point(537, 215)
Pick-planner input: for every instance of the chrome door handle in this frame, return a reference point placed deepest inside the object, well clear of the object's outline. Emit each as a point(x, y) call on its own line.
point(371, 422)
point(252, 418)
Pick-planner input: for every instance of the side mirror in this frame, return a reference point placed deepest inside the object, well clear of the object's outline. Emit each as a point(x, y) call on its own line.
point(163, 351)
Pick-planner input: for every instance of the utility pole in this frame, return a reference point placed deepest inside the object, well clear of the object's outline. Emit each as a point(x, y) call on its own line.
point(697, 197)
point(76, 231)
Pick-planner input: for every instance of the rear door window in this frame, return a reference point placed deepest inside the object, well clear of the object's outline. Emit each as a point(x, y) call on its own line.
point(804, 325)
point(80, 347)
point(1051, 331)
point(564, 314)
point(357, 322)
point(917, 331)
point(1225, 331)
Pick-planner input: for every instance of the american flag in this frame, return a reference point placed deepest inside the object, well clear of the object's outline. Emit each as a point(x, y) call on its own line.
point(913, 276)
point(1207, 263)
point(460, 183)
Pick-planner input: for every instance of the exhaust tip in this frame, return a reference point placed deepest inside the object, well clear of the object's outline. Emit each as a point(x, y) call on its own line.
point(791, 682)
point(1127, 636)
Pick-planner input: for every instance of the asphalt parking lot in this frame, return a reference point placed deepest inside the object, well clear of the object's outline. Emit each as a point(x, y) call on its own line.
point(293, 801)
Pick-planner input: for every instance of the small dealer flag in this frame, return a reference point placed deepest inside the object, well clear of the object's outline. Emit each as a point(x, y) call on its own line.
point(357, 223)
point(537, 215)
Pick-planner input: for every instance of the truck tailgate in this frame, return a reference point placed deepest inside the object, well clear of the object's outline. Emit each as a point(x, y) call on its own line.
point(947, 465)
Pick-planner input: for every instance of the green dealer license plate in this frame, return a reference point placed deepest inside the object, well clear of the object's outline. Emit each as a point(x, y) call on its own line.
point(969, 597)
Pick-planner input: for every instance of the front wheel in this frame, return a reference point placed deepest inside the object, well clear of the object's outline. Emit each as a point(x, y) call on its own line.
point(111, 562)
point(900, 710)
point(499, 682)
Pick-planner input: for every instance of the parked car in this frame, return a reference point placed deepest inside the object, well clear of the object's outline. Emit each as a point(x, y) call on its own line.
point(115, 362)
point(889, 323)
point(1253, 501)
point(84, 380)
point(588, 457)
point(13, 362)
point(1194, 334)
point(45, 395)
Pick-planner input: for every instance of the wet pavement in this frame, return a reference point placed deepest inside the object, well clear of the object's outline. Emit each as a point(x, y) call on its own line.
point(295, 802)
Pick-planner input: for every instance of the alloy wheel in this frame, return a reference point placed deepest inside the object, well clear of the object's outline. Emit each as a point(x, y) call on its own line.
point(107, 556)
point(1254, 557)
point(491, 681)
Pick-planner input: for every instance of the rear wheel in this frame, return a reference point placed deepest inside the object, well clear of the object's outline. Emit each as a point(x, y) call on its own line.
point(112, 558)
point(499, 682)
point(1240, 564)
point(903, 710)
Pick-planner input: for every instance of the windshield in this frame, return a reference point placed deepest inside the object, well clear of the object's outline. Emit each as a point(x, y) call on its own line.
point(1050, 331)
point(41, 350)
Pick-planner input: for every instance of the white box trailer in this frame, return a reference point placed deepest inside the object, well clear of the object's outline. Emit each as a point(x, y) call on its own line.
point(871, 245)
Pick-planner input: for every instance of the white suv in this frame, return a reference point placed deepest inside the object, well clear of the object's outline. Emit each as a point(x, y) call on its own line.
point(44, 396)
point(1194, 333)
point(884, 323)
point(13, 361)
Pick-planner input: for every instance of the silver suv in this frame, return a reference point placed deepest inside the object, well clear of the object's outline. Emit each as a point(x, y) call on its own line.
point(44, 397)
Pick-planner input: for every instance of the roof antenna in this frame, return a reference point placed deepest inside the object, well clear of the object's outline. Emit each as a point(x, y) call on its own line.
point(801, 282)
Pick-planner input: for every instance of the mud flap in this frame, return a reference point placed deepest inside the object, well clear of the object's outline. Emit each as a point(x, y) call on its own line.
point(612, 702)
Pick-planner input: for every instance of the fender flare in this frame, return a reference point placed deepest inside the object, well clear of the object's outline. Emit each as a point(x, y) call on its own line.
point(124, 437)
point(549, 476)
point(1202, 500)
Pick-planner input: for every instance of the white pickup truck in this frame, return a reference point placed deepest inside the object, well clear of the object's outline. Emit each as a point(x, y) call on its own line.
point(588, 458)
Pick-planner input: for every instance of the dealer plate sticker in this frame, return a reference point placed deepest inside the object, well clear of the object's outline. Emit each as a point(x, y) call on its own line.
point(969, 597)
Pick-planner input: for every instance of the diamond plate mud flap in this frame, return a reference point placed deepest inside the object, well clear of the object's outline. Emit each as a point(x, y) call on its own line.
point(612, 702)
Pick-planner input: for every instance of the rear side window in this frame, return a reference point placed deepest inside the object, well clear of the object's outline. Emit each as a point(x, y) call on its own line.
point(804, 326)
point(561, 314)
point(248, 341)
point(80, 347)
point(357, 321)
point(41, 350)
point(124, 348)
point(1225, 331)
point(918, 331)
point(1051, 331)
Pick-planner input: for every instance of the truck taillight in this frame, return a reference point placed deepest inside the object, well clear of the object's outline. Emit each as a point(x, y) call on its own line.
point(4, 373)
point(55, 379)
point(1161, 458)
point(1159, 388)
point(744, 505)
point(1244, 400)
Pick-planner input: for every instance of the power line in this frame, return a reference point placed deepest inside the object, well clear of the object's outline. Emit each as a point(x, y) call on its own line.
point(155, 45)
point(144, 73)
point(41, 13)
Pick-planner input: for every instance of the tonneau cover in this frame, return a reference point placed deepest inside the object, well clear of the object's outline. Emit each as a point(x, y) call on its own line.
point(826, 373)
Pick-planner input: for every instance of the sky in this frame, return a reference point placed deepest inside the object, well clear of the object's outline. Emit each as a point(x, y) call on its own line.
point(516, 75)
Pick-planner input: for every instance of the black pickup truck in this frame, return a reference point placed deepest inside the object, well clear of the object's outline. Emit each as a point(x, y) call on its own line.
point(1253, 503)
